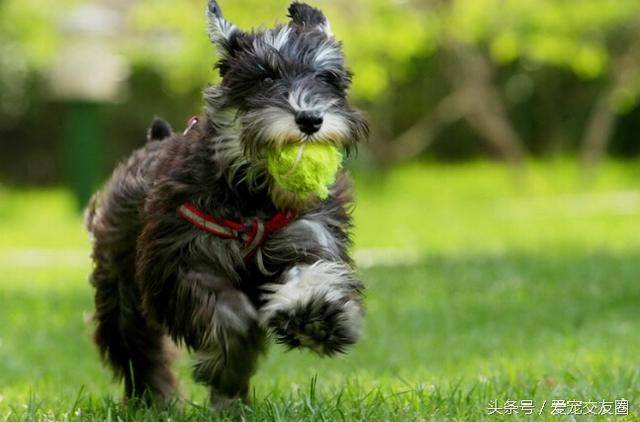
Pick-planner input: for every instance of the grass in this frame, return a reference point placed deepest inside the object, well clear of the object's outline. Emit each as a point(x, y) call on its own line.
point(511, 292)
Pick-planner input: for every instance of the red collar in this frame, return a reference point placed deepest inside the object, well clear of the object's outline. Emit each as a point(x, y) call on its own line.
point(252, 233)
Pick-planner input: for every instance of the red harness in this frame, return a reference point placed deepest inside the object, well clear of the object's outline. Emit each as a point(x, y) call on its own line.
point(251, 233)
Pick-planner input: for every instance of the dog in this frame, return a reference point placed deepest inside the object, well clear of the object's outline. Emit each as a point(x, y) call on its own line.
point(195, 244)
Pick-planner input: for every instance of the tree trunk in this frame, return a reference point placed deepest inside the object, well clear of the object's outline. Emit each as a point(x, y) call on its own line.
point(598, 133)
point(603, 119)
point(480, 103)
point(475, 99)
point(415, 140)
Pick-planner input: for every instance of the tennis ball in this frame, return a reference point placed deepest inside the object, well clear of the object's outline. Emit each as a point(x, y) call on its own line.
point(305, 169)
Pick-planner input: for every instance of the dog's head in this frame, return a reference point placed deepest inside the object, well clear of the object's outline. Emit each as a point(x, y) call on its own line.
point(287, 84)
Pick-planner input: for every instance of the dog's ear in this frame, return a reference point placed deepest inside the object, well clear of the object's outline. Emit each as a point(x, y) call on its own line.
point(309, 18)
point(221, 32)
point(159, 130)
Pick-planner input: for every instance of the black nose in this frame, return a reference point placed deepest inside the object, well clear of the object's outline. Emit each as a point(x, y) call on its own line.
point(309, 122)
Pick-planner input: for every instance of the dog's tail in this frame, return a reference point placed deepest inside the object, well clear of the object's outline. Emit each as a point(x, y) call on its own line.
point(159, 130)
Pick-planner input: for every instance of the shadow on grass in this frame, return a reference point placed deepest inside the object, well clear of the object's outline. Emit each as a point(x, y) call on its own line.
point(514, 324)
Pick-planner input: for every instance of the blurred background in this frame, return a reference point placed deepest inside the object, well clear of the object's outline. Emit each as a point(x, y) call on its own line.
point(503, 161)
point(444, 81)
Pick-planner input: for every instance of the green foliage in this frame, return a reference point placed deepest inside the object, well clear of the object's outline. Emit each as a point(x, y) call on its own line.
point(181, 52)
point(566, 33)
point(29, 30)
point(382, 37)
point(551, 62)
point(379, 36)
point(28, 43)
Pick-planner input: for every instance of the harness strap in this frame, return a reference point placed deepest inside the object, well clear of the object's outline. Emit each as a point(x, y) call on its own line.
point(251, 234)
point(208, 223)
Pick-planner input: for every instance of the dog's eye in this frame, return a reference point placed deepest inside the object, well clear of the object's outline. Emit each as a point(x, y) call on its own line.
point(327, 76)
point(265, 76)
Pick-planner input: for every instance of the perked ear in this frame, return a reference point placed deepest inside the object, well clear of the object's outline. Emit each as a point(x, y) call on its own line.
point(221, 30)
point(309, 18)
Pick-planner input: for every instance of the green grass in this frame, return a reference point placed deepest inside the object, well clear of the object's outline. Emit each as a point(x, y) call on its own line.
point(512, 292)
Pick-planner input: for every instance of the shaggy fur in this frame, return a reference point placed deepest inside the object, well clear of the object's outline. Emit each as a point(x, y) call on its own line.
point(159, 279)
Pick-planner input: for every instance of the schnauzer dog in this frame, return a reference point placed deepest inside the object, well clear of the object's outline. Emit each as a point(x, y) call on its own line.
point(194, 242)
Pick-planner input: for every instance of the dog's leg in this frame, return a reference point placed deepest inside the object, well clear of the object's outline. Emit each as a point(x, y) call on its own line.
point(137, 351)
point(316, 306)
point(135, 348)
point(220, 323)
point(228, 364)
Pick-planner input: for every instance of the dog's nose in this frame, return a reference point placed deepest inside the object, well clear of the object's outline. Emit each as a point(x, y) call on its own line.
point(309, 122)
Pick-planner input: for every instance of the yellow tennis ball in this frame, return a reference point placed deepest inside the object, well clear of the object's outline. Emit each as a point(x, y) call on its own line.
point(305, 169)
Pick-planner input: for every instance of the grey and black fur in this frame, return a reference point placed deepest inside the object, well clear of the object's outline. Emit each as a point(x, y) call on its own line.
point(159, 280)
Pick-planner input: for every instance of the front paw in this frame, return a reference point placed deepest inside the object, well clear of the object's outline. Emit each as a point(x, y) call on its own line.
point(317, 307)
point(325, 327)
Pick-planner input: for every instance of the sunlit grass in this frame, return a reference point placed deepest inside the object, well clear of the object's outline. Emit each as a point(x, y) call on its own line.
point(482, 207)
point(427, 207)
point(40, 218)
point(518, 293)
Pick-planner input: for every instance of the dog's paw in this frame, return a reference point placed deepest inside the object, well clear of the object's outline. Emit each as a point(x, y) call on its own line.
point(325, 327)
point(317, 306)
point(222, 402)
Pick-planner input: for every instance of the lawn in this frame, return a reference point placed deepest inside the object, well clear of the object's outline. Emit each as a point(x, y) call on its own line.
point(481, 287)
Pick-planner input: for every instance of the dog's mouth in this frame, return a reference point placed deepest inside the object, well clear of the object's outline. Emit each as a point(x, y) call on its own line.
point(302, 173)
point(292, 138)
point(333, 140)
point(301, 158)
